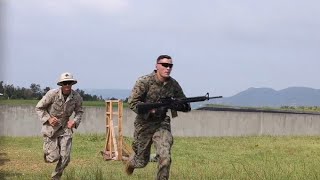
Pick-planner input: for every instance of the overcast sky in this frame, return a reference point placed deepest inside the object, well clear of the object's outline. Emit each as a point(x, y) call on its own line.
point(218, 46)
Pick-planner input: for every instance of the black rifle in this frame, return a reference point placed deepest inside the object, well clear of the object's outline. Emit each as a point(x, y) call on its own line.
point(171, 103)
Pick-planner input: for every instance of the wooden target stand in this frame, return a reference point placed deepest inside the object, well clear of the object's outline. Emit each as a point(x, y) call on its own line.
point(115, 148)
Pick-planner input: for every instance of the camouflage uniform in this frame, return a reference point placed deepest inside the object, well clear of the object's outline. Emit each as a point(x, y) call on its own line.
point(153, 127)
point(58, 139)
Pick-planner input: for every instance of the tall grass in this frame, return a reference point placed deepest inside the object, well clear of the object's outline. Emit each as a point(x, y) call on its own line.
point(253, 157)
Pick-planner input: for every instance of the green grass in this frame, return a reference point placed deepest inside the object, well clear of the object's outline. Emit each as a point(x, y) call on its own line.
point(263, 157)
point(34, 102)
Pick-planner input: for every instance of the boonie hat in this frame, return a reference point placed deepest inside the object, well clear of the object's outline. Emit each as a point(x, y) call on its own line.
point(66, 77)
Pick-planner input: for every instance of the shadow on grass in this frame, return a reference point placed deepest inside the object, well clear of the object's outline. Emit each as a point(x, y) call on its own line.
point(5, 174)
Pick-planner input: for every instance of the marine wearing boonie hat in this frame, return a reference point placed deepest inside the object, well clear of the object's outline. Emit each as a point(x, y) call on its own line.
point(66, 77)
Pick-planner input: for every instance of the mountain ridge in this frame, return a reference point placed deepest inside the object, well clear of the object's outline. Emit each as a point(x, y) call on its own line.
point(110, 93)
point(258, 97)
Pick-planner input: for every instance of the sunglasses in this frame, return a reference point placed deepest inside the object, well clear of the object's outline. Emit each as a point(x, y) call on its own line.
point(67, 82)
point(166, 65)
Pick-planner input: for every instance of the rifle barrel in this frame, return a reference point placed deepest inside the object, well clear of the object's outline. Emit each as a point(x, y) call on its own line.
point(214, 97)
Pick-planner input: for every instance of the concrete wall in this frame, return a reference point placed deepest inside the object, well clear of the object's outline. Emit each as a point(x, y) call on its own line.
point(23, 121)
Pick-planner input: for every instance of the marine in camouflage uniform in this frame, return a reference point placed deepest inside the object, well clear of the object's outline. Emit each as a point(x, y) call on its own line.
point(54, 111)
point(154, 126)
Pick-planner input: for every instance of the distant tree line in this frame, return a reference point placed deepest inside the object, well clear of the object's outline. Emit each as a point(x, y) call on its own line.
point(35, 91)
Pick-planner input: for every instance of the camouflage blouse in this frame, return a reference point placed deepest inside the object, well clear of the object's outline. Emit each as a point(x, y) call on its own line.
point(150, 89)
point(53, 104)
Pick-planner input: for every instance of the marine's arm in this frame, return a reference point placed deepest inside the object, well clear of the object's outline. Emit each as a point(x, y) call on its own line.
point(137, 95)
point(78, 112)
point(42, 108)
point(185, 107)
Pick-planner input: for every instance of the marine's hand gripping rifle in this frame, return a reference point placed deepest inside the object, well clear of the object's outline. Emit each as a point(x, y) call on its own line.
point(172, 103)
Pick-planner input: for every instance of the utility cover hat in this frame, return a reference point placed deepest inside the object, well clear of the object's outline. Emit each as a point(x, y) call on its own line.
point(66, 77)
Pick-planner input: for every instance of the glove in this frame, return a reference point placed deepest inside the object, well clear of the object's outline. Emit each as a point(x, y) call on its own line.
point(185, 107)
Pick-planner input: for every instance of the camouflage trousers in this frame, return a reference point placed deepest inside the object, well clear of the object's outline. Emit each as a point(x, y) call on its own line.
point(158, 133)
point(58, 149)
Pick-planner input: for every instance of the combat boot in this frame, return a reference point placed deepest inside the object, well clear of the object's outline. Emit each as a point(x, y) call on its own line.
point(129, 168)
point(56, 178)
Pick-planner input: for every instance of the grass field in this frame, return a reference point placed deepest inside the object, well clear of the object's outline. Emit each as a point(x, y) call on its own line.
point(264, 157)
